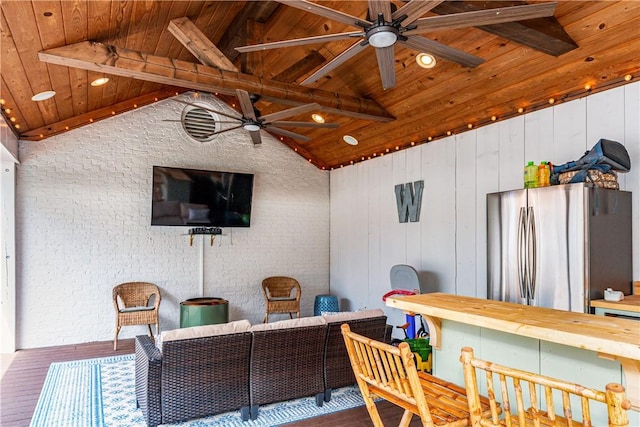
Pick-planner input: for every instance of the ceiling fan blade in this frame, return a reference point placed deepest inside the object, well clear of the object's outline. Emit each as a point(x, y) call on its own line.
point(245, 104)
point(287, 133)
point(226, 130)
point(208, 109)
point(193, 120)
point(385, 58)
point(270, 118)
point(255, 137)
point(414, 10)
point(483, 17)
point(422, 44)
point(326, 12)
point(300, 42)
point(335, 62)
point(377, 7)
point(307, 124)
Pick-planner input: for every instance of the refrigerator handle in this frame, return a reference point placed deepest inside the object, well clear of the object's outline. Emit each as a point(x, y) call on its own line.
point(532, 253)
point(522, 252)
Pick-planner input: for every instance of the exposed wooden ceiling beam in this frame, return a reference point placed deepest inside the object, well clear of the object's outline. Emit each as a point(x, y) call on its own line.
point(199, 45)
point(138, 65)
point(235, 36)
point(542, 34)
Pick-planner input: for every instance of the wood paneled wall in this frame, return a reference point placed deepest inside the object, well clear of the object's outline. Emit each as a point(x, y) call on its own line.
point(448, 245)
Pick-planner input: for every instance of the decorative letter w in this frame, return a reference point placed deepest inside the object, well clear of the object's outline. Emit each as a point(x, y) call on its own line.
point(409, 201)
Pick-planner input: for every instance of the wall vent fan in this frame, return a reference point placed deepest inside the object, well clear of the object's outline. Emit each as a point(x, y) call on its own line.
point(200, 123)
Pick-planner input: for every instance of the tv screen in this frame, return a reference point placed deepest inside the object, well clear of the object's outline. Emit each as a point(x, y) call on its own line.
point(191, 197)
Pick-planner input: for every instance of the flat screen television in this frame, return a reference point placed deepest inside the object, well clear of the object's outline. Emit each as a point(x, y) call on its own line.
point(192, 197)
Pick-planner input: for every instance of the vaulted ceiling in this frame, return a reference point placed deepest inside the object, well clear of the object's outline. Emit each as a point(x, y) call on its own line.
point(151, 50)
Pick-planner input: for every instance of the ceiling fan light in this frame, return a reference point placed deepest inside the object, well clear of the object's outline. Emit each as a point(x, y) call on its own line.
point(426, 60)
point(382, 39)
point(43, 95)
point(317, 118)
point(251, 127)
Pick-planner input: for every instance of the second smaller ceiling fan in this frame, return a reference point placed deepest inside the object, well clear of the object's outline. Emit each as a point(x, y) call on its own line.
point(253, 122)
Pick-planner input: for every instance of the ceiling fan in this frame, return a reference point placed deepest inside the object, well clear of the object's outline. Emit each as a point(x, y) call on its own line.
point(253, 122)
point(386, 25)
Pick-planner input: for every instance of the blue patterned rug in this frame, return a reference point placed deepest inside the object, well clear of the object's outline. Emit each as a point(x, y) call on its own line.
point(101, 393)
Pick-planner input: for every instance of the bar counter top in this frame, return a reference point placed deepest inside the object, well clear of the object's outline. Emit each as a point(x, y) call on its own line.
point(612, 338)
point(629, 303)
point(608, 335)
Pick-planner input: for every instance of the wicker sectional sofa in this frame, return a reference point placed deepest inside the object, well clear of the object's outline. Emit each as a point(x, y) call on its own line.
point(206, 370)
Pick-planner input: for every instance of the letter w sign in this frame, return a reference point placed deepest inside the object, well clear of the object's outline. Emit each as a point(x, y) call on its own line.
point(409, 200)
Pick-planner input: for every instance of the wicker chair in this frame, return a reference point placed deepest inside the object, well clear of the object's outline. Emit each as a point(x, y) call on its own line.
point(389, 372)
point(523, 407)
point(280, 297)
point(131, 301)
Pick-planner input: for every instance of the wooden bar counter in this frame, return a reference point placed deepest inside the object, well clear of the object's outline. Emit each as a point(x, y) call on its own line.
point(612, 338)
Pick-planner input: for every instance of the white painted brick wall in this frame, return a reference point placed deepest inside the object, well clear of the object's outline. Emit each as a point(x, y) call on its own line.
point(83, 206)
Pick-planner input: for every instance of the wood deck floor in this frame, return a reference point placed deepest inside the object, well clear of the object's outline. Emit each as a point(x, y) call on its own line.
point(25, 371)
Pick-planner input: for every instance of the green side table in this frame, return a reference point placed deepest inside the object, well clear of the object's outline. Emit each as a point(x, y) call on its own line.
point(203, 311)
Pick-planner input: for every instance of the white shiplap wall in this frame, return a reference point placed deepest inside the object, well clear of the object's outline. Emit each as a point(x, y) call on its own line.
point(448, 245)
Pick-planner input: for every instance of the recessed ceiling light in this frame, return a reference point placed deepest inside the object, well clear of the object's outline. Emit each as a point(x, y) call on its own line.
point(426, 60)
point(350, 140)
point(317, 118)
point(43, 95)
point(100, 81)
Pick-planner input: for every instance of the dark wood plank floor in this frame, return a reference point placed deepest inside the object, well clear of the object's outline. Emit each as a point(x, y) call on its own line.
point(22, 382)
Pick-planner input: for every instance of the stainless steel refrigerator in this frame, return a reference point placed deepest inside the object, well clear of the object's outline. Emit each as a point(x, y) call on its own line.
point(558, 247)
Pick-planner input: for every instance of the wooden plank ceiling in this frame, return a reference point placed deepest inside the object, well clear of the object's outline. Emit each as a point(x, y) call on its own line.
point(585, 47)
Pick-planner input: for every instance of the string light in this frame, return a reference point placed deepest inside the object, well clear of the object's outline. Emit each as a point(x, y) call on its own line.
point(533, 107)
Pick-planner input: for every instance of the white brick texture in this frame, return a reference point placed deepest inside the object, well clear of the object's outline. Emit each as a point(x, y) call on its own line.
point(83, 208)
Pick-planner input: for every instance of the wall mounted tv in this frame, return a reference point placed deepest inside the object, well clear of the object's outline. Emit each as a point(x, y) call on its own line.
point(192, 197)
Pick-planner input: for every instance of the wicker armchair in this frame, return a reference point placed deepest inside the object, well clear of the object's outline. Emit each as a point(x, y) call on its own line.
point(280, 297)
point(131, 301)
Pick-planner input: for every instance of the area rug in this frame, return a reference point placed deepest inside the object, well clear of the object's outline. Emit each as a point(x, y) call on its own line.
point(101, 393)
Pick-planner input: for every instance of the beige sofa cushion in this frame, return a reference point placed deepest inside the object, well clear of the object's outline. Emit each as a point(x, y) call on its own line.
point(203, 331)
point(346, 316)
point(290, 323)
